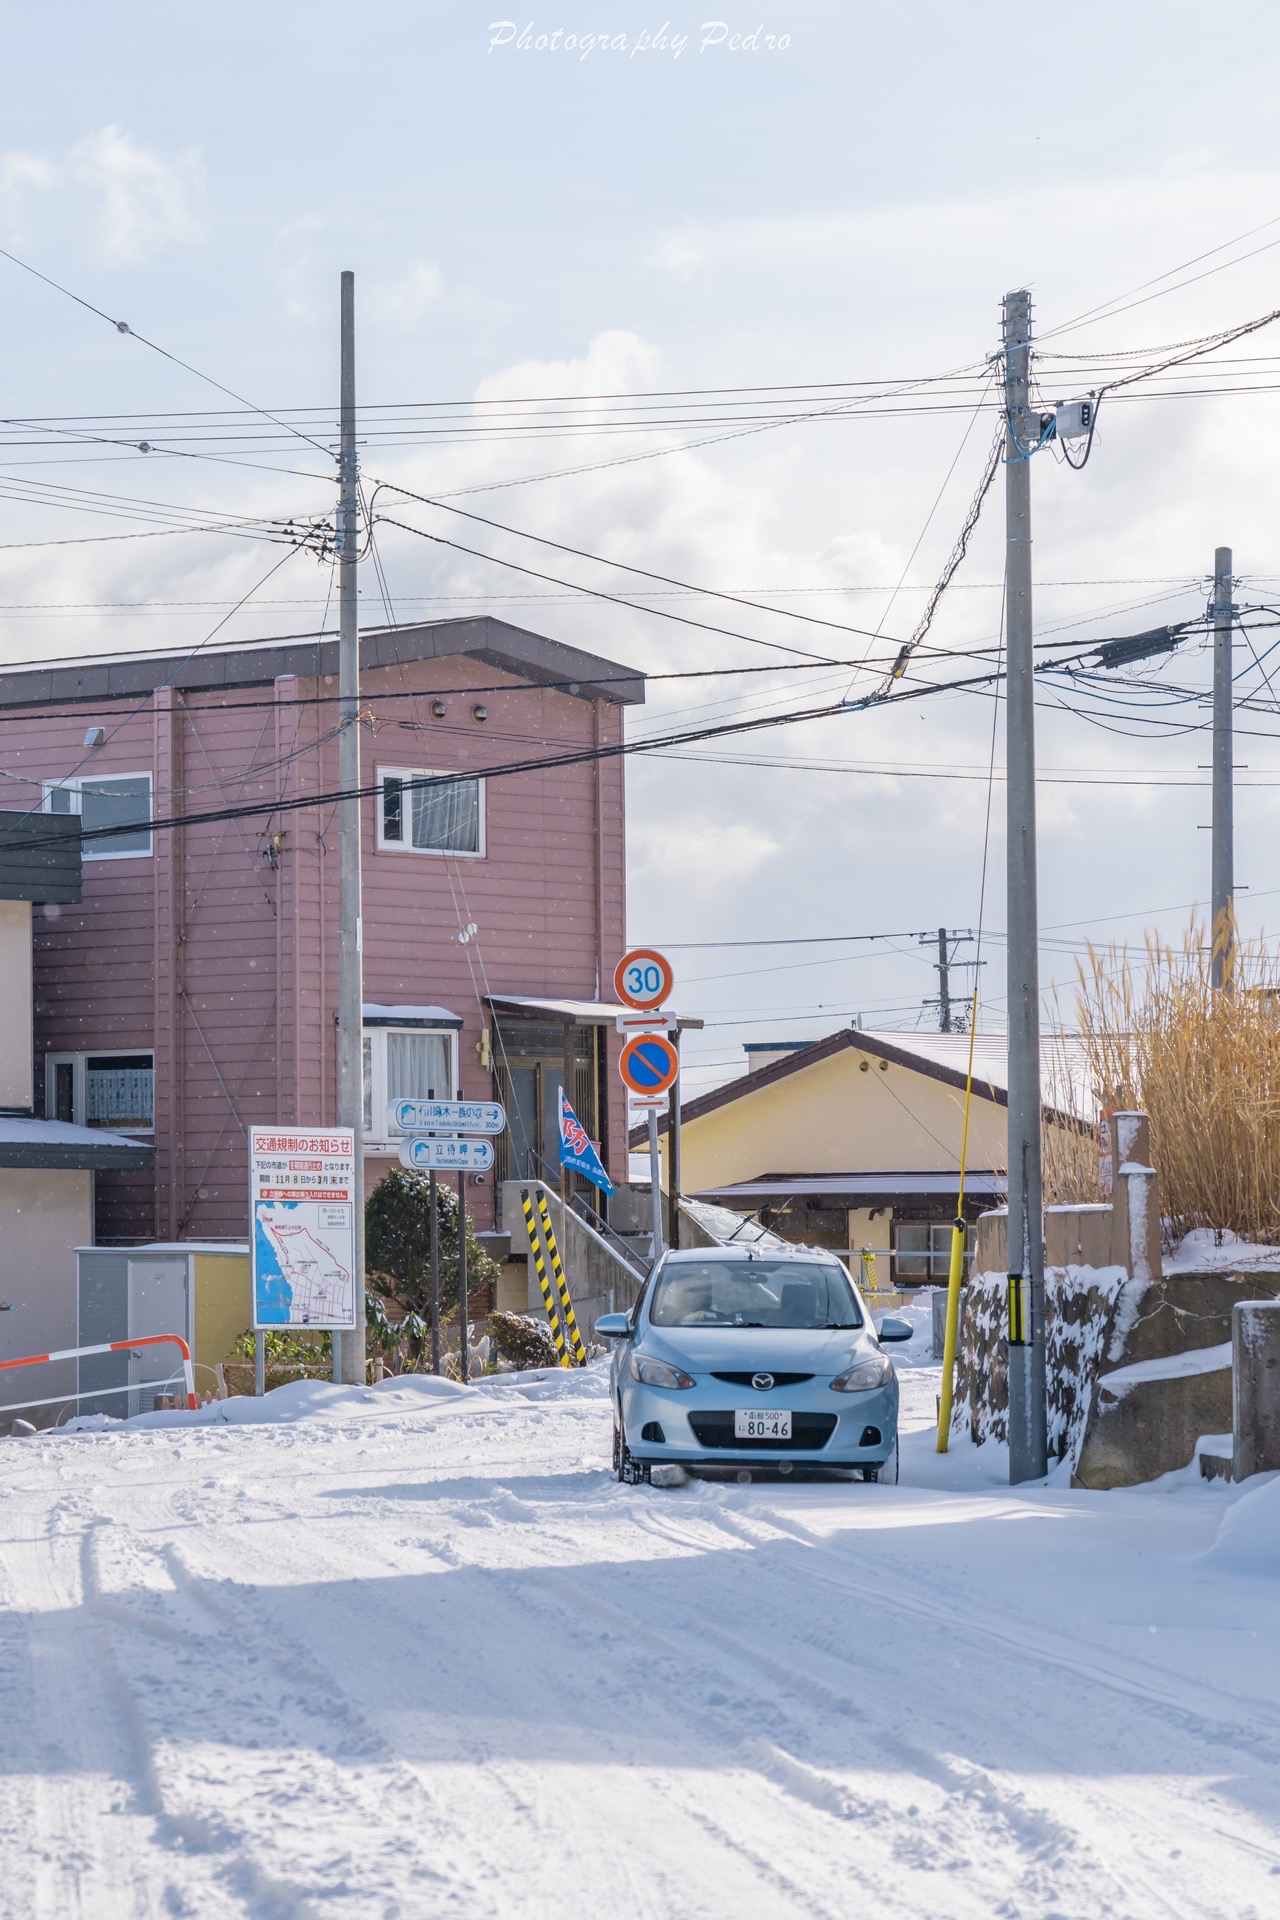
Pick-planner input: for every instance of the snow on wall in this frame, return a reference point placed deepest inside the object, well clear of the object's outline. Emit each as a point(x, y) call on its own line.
point(1087, 1311)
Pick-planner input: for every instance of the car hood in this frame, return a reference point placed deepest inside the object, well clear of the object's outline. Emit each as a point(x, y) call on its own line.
point(763, 1349)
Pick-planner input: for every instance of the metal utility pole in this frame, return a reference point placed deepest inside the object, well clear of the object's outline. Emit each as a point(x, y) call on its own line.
point(349, 1348)
point(1028, 1411)
point(1222, 930)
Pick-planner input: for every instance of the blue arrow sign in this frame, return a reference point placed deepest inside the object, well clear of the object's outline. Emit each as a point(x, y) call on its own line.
point(446, 1156)
point(445, 1116)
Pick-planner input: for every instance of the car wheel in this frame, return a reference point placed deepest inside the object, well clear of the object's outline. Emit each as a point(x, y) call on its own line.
point(886, 1474)
point(631, 1472)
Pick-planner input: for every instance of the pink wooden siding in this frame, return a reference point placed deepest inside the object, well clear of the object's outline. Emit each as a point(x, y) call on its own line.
point(219, 952)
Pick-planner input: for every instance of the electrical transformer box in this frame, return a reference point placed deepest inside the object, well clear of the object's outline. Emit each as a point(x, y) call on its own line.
point(1074, 419)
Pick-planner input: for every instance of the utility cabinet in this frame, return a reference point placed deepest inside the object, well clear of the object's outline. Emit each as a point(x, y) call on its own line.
point(197, 1289)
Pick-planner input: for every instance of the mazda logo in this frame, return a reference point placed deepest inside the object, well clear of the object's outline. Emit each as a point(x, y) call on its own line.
point(762, 1382)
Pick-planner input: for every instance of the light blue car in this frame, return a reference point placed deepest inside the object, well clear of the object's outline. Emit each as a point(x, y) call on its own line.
point(739, 1358)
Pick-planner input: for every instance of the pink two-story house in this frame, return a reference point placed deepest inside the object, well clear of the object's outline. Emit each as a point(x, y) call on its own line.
point(192, 991)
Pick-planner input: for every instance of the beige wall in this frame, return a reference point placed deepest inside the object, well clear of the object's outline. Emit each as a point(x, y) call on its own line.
point(833, 1117)
point(44, 1217)
point(15, 998)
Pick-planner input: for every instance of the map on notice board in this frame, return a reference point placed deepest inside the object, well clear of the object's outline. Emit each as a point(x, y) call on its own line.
point(302, 1201)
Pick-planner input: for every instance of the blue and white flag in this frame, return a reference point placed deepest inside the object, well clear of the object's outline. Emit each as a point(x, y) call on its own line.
point(577, 1152)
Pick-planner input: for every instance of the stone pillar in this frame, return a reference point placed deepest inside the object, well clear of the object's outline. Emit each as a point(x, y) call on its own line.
point(1255, 1368)
point(1135, 1206)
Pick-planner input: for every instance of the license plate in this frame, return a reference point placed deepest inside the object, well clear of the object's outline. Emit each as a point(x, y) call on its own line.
point(762, 1423)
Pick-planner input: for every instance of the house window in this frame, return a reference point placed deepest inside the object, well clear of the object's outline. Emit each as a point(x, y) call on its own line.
point(446, 817)
point(922, 1252)
point(406, 1063)
point(120, 800)
point(114, 1091)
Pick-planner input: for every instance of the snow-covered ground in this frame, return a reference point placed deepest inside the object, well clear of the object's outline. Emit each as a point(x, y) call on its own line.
point(412, 1651)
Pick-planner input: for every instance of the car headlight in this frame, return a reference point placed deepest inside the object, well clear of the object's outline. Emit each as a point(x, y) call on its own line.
point(876, 1371)
point(656, 1373)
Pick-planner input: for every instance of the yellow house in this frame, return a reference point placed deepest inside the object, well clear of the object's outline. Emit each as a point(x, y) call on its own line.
point(854, 1141)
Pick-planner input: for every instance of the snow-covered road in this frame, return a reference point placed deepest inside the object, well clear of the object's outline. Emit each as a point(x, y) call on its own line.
point(416, 1655)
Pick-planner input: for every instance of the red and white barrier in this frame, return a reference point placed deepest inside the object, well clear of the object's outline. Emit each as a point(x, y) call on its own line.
point(109, 1346)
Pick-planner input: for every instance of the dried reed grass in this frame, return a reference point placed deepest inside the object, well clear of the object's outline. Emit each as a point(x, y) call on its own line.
point(1203, 1065)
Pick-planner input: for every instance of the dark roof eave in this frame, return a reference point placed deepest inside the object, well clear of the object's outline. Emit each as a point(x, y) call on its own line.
point(73, 1159)
point(495, 643)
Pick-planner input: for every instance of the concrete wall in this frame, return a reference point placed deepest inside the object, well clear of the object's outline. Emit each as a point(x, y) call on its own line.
point(834, 1117)
point(44, 1216)
point(15, 986)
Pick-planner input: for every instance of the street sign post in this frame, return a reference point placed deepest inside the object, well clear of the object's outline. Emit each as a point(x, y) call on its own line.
point(444, 1154)
point(649, 1063)
point(433, 1145)
point(445, 1116)
point(643, 979)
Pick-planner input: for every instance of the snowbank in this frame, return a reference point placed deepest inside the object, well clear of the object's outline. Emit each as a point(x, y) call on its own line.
point(1249, 1538)
point(1204, 1251)
point(297, 1400)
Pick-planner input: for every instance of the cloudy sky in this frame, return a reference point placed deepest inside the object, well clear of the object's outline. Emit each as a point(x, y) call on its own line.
point(783, 222)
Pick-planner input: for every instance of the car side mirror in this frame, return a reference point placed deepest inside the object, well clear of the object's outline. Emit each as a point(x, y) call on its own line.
point(613, 1326)
point(890, 1328)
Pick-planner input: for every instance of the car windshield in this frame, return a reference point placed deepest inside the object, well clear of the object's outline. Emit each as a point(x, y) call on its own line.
point(754, 1293)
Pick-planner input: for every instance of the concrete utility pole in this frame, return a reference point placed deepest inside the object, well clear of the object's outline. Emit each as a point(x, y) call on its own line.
point(1028, 1410)
point(944, 982)
point(1222, 930)
point(349, 1348)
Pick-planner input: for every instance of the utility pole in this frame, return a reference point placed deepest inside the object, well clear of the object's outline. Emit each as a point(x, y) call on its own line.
point(1222, 931)
point(1028, 1410)
point(944, 982)
point(948, 941)
point(349, 1348)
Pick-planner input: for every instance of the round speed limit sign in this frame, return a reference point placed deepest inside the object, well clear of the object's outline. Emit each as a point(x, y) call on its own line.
point(642, 979)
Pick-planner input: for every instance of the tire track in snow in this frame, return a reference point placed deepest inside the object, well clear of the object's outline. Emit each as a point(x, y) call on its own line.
point(757, 1531)
point(100, 1849)
point(277, 1780)
point(1196, 1708)
point(977, 1826)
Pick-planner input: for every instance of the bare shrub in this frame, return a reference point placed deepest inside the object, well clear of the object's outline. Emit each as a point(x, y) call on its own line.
point(1204, 1065)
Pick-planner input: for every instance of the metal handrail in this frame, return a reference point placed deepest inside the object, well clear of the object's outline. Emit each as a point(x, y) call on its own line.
point(603, 1231)
point(626, 1259)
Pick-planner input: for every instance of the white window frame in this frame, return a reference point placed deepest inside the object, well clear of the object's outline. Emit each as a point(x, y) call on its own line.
point(432, 773)
point(102, 849)
point(378, 1138)
point(78, 1063)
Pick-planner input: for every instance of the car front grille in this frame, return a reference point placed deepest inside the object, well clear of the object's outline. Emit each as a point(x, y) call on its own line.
point(749, 1379)
point(809, 1432)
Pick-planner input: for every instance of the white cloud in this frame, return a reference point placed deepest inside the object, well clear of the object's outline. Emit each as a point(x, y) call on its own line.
point(141, 200)
point(407, 299)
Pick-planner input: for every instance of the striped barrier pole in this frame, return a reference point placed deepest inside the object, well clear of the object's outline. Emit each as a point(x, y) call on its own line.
point(108, 1346)
point(540, 1267)
point(566, 1304)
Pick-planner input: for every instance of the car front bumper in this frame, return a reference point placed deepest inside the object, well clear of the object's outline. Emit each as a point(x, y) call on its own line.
point(679, 1414)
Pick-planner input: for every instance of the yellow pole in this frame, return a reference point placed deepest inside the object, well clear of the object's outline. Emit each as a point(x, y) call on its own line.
point(956, 1272)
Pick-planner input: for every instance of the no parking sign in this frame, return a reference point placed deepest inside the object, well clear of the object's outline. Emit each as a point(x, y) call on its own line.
point(649, 1064)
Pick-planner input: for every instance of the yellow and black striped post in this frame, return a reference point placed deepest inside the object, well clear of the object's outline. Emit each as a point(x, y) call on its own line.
point(562, 1289)
point(540, 1267)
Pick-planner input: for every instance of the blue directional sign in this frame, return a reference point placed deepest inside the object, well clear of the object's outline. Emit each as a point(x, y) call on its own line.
point(446, 1155)
point(445, 1116)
